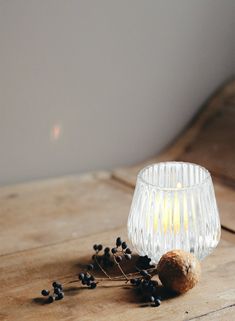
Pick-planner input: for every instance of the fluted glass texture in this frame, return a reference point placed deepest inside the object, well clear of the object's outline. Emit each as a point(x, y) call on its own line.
point(174, 207)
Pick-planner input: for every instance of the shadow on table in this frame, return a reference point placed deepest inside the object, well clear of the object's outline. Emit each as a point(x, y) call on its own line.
point(72, 285)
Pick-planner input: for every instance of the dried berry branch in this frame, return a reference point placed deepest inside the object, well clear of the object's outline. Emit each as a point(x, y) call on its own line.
point(102, 269)
point(142, 279)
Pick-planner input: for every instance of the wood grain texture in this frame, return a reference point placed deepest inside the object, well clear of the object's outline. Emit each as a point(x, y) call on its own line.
point(214, 147)
point(50, 211)
point(218, 104)
point(225, 196)
point(24, 274)
point(227, 236)
point(223, 314)
point(209, 141)
point(47, 230)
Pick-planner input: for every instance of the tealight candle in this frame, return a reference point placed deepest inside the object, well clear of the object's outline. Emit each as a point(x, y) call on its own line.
point(174, 207)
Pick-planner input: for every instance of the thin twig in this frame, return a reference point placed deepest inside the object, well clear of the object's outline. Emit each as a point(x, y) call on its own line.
point(119, 266)
point(113, 278)
point(99, 280)
point(102, 268)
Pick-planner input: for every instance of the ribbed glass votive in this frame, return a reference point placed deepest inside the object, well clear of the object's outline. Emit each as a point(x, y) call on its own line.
point(174, 207)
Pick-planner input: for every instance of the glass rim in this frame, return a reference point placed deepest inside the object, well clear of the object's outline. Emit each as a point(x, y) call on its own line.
point(143, 180)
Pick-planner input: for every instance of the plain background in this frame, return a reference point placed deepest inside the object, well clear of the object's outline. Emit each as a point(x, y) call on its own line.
point(88, 85)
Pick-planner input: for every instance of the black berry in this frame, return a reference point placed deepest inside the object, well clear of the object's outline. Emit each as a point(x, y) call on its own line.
point(128, 256)
point(133, 281)
point(100, 246)
point(93, 285)
point(114, 250)
point(106, 250)
point(128, 251)
point(124, 245)
point(60, 296)
point(143, 262)
point(118, 259)
point(57, 290)
point(50, 299)
point(45, 292)
point(87, 277)
point(118, 241)
point(143, 272)
point(56, 285)
point(157, 302)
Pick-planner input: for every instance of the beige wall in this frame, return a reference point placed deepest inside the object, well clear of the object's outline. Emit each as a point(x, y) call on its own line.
point(95, 84)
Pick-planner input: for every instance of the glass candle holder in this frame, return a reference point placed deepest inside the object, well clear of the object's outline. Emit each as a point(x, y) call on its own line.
point(174, 207)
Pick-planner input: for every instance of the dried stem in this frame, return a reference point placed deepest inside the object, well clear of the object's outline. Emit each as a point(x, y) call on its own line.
point(151, 271)
point(120, 268)
point(113, 278)
point(102, 268)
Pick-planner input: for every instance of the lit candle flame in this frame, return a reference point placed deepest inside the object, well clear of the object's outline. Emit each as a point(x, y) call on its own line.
point(170, 210)
point(185, 214)
point(155, 220)
point(176, 214)
point(171, 213)
point(178, 185)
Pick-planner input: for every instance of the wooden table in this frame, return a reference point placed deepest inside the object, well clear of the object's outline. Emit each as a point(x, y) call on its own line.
point(47, 229)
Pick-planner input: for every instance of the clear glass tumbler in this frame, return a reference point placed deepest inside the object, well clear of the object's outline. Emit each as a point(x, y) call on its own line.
point(174, 207)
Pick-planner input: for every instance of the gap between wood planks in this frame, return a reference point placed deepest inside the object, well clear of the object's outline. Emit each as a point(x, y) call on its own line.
point(226, 231)
point(57, 243)
point(132, 187)
point(211, 312)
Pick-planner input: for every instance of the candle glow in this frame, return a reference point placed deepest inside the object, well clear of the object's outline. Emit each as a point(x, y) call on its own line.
point(174, 207)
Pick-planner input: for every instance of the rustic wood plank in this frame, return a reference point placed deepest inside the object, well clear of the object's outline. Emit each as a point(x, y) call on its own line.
point(214, 146)
point(223, 314)
point(69, 211)
point(50, 211)
point(227, 236)
point(225, 196)
point(24, 274)
point(224, 97)
point(226, 203)
point(208, 141)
